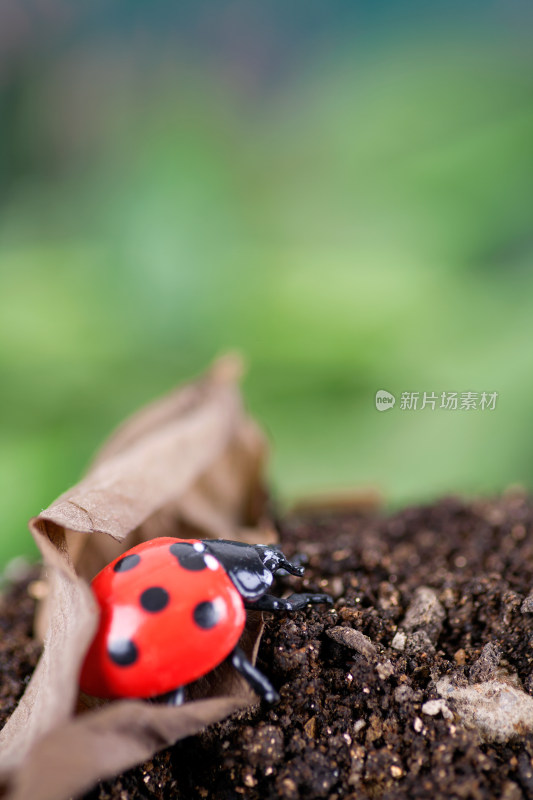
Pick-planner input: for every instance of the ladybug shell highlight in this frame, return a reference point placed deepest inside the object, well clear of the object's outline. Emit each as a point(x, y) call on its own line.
point(169, 614)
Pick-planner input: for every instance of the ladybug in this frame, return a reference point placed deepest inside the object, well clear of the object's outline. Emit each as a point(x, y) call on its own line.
point(173, 609)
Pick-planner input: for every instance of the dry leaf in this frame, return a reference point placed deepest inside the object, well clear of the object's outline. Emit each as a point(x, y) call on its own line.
point(190, 464)
point(100, 744)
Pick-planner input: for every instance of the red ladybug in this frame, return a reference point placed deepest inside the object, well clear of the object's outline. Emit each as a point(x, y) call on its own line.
point(173, 609)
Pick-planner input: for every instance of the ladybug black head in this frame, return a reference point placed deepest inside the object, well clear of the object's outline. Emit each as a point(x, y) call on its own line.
point(250, 567)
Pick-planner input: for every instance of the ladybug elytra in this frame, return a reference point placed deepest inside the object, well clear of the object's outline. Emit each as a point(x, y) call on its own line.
point(173, 609)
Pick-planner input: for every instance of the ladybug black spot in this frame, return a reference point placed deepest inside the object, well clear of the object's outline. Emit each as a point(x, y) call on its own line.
point(206, 615)
point(126, 563)
point(154, 599)
point(188, 556)
point(122, 652)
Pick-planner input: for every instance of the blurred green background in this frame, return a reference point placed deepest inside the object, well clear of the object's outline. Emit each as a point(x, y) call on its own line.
point(342, 191)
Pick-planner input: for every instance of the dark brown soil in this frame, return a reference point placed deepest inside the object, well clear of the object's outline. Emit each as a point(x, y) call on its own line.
point(18, 650)
point(351, 722)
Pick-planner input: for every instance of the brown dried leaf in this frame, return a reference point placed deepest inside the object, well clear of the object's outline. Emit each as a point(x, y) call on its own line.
point(188, 465)
point(99, 744)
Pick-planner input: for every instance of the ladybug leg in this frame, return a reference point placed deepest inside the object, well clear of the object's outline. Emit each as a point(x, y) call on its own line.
point(294, 602)
point(256, 679)
point(299, 601)
point(174, 698)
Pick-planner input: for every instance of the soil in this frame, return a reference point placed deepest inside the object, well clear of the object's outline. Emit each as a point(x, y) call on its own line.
point(19, 652)
point(433, 592)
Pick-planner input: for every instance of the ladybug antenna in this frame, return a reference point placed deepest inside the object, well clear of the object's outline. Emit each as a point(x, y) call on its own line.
point(273, 559)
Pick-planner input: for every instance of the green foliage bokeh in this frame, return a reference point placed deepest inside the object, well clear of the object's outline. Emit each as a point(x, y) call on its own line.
point(365, 226)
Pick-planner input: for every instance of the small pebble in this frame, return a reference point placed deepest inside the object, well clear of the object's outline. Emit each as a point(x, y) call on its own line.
point(434, 707)
point(486, 665)
point(404, 694)
point(425, 612)
point(385, 670)
point(527, 605)
point(499, 710)
point(418, 642)
point(353, 639)
point(396, 771)
point(399, 641)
